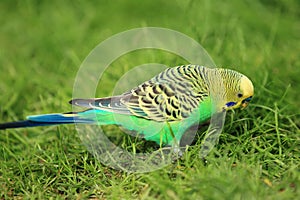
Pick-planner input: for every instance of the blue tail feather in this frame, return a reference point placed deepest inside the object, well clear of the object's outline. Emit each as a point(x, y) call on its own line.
point(27, 123)
point(58, 118)
point(46, 120)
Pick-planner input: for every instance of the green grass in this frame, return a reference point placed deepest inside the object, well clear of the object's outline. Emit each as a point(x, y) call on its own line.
point(43, 44)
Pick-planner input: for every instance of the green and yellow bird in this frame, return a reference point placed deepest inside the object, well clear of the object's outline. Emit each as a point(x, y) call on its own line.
point(163, 108)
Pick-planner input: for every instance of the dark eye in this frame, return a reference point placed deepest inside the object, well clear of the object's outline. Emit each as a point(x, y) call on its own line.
point(240, 95)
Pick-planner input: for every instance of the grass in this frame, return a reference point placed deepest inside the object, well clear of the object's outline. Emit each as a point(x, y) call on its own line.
point(43, 45)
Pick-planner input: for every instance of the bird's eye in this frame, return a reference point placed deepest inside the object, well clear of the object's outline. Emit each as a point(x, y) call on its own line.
point(239, 95)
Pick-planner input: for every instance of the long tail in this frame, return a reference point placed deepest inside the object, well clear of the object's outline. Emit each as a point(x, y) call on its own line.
point(48, 120)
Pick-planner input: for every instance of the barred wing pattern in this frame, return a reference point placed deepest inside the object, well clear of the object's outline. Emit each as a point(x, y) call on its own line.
point(170, 96)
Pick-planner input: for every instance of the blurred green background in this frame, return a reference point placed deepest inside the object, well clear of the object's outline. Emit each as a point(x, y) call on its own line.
point(43, 43)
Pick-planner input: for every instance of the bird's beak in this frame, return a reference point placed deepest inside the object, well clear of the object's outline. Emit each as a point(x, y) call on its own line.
point(245, 102)
point(244, 105)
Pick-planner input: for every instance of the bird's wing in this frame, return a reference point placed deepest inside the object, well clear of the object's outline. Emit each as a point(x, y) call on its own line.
point(159, 101)
point(170, 96)
point(111, 104)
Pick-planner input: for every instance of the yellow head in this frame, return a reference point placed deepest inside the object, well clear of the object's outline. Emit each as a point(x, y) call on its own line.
point(241, 95)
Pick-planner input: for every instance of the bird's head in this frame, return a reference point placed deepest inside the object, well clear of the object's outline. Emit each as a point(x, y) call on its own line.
point(240, 96)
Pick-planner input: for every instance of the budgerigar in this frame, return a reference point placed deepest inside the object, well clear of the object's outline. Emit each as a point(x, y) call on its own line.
point(163, 108)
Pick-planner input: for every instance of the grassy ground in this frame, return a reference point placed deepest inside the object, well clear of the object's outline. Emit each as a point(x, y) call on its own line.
point(43, 44)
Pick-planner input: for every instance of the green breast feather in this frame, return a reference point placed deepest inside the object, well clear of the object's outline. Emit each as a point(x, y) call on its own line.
point(157, 131)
